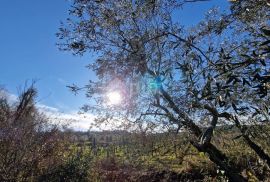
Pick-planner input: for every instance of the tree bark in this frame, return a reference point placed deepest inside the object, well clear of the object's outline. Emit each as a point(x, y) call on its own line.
point(220, 160)
point(259, 151)
point(256, 148)
point(215, 155)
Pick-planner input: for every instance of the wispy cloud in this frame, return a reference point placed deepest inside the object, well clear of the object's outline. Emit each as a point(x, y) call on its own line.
point(12, 98)
point(46, 108)
point(62, 81)
point(72, 119)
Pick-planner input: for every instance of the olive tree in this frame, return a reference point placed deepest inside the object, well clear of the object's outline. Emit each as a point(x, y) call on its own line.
point(170, 76)
point(239, 81)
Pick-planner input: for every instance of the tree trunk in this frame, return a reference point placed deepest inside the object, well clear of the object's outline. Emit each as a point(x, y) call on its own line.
point(256, 148)
point(259, 151)
point(221, 160)
point(215, 155)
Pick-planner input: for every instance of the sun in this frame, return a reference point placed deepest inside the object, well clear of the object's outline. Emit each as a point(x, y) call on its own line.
point(114, 98)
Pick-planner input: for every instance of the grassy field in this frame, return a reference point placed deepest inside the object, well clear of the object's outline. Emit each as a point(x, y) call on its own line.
point(121, 156)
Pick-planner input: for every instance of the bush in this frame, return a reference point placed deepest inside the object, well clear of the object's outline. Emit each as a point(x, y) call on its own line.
point(29, 145)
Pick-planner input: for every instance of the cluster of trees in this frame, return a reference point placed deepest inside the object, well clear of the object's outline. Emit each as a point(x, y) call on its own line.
point(178, 78)
point(32, 148)
point(26, 138)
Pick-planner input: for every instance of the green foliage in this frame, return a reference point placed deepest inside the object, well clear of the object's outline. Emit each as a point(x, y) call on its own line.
point(75, 167)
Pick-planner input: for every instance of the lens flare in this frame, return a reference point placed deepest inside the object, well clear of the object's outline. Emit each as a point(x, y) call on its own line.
point(114, 98)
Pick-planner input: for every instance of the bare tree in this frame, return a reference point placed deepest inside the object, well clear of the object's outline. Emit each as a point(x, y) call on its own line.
point(27, 140)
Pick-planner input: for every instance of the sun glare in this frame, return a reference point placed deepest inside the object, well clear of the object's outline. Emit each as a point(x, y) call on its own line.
point(114, 98)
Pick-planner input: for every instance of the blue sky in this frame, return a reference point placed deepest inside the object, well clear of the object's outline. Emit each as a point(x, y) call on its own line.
point(28, 49)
